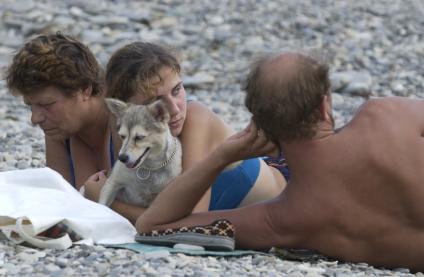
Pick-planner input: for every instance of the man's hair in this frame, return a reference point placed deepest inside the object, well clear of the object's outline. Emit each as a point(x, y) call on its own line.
point(286, 105)
point(135, 69)
point(54, 60)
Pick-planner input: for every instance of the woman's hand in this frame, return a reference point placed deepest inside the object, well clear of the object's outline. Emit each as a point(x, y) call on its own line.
point(248, 143)
point(94, 185)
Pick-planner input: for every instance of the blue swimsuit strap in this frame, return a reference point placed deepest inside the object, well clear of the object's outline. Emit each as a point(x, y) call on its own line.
point(71, 163)
point(111, 151)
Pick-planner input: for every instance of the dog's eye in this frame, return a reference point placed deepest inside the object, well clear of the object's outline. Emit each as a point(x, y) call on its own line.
point(137, 138)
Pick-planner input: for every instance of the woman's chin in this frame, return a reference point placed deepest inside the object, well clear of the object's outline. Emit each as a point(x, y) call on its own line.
point(56, 135)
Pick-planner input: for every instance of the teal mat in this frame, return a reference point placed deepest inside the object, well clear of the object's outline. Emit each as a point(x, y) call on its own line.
point(144, 248)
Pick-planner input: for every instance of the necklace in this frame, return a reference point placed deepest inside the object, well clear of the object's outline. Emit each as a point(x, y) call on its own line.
point(143, 172)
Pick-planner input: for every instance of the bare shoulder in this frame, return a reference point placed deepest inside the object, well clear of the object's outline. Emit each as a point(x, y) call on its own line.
point(200, 119)
point(387, 107)
point(196, 112)
point(391, 103)
point(203, 130)
point(391, 113)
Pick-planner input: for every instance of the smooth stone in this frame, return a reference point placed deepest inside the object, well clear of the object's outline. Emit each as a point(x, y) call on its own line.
point(165, 22)
point(102, 268)
point(20, 6)
point(254, 43)
point(30, 256)
point(357, 89)
point(51, 268)
point(351, 82)
point(109, 20)
point(198, 79)
point(63, 21)
point(62, 262)
point(216, 20)
point(91, 35)
point(221, 33)
point(76, 11)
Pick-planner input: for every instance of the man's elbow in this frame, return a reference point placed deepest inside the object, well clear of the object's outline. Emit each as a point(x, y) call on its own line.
point(144, 224)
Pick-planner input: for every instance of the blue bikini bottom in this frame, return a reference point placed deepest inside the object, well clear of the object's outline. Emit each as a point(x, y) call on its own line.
point(232, 186)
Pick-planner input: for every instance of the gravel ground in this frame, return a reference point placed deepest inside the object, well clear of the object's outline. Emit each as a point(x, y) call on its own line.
point(375, 48)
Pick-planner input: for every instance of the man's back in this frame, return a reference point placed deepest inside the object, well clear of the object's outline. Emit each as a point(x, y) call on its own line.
point(361, 189)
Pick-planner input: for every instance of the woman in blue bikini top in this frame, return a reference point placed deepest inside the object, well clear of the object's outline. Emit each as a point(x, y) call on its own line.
point(143, 72)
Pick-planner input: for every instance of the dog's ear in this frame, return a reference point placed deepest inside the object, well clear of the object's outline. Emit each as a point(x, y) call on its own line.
point(117, 107)
point(158, 111)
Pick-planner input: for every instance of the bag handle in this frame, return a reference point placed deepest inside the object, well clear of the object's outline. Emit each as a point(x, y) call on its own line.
point(61, 243)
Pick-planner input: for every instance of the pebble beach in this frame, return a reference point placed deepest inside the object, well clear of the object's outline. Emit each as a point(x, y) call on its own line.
point(374, 49)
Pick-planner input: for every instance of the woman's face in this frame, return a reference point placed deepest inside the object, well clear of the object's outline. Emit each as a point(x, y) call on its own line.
point(172, 93)
point(55, 113)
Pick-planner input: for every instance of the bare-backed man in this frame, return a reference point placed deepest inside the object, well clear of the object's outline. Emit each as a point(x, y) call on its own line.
point(356, 194)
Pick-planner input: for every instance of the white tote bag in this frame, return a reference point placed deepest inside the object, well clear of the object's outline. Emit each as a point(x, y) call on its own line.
point(34, 200)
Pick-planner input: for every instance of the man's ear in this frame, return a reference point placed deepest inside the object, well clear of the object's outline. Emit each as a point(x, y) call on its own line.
point(325, 108)
point(158, 111)
point(117, 107)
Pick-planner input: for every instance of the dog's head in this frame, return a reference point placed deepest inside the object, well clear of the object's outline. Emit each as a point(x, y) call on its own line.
point(142, 128)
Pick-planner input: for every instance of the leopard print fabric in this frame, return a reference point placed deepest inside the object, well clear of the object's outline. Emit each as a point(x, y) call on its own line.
point(220, 227)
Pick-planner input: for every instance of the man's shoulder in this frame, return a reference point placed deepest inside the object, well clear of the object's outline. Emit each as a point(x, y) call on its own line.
point(378, 112)
point(386, 106)
point(387, 102)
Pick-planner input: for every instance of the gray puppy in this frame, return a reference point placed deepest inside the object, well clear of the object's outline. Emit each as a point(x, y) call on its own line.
point(150, 157)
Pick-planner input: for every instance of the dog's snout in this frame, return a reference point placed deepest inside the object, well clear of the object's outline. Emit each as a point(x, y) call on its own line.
point(123, 158)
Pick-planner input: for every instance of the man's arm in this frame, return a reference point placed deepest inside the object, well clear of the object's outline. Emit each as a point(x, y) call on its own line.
point(179, 198)
point(128, 211)
point(255, 226)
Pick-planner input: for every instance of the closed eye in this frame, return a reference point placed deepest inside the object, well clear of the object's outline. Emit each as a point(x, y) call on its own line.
point(47, 104)
point(138, 138)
